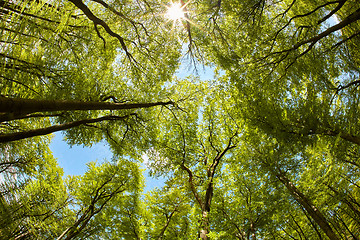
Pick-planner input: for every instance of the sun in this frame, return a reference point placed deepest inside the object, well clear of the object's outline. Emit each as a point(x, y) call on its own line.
point(175, 12)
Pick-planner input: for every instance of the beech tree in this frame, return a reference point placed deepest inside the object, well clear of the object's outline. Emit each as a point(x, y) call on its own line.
point(104, 195)
point(48, 206)
point(37, 207)
point(195, 153)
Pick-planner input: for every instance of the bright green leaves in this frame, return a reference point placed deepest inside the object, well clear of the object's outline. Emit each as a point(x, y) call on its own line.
point(96, 204)
point(105, 201)
point(53, 51)
point(168, 213)
point(250, 154)
point(37, 204)
point(193, 145)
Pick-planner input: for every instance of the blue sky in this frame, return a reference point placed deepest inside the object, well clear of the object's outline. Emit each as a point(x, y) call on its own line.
point(73, 159)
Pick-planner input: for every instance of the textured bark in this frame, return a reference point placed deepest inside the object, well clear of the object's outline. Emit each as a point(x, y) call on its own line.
point(14, 108)
point(314, 213)
point(345, 136)
point(204, 226)
point(44, 131)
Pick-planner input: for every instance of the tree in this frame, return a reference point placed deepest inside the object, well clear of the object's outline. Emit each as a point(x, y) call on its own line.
point(246, 204)
point(304, 173)
point(52, 54)
point(100, 199)
point(37, 207)
point(304, 96)
point(48, 55)
point(291, 93)
point(23, 108)
point(196, 152)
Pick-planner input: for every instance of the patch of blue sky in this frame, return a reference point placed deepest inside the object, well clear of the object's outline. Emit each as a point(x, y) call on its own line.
point(74, 159)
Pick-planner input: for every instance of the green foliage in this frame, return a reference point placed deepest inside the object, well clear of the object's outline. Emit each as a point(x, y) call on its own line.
point(168, 213)
point(269, 149)
point(36, 207)
point(104, 201)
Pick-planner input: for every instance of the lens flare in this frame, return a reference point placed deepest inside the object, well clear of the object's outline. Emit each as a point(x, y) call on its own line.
point(175, 12)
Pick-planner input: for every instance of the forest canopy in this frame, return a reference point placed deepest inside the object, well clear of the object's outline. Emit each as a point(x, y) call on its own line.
point(269, 148)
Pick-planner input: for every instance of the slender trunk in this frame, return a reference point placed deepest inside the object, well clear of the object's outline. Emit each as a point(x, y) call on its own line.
point(12, 108)
point(204, 224)
point(23, 235)
point(206, 204)
point(253, 231)
point(315, 214)
point(347, 200)
point(9, 137)
point(204, 227)
point(63, 233)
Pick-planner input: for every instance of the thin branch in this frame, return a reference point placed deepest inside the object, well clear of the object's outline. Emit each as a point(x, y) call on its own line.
point(348, 20)
point(20, 83)
point(16, 9)
point(133, 23)
point(355, 16)
point(97, 21)
point(9, 137)
point(345, 40)
point(338, 7)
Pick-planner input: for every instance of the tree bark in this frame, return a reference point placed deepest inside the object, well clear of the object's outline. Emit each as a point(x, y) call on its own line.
point(204, 231)
point(44, 131)
point(13, 108)
point(315, 214)
point(345, 136)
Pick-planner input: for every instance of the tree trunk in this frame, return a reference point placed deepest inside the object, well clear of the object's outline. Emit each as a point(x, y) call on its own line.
point(308, 206)
point(12, 108)
point(44, 131)
point(204, 227)
point(206, 204)
point(252, 231)
point(345, 136)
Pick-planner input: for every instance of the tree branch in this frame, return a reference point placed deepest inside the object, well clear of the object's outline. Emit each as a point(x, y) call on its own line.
point(97, 21)
point(348, 20)
point(12, 108)
point(9, 137)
